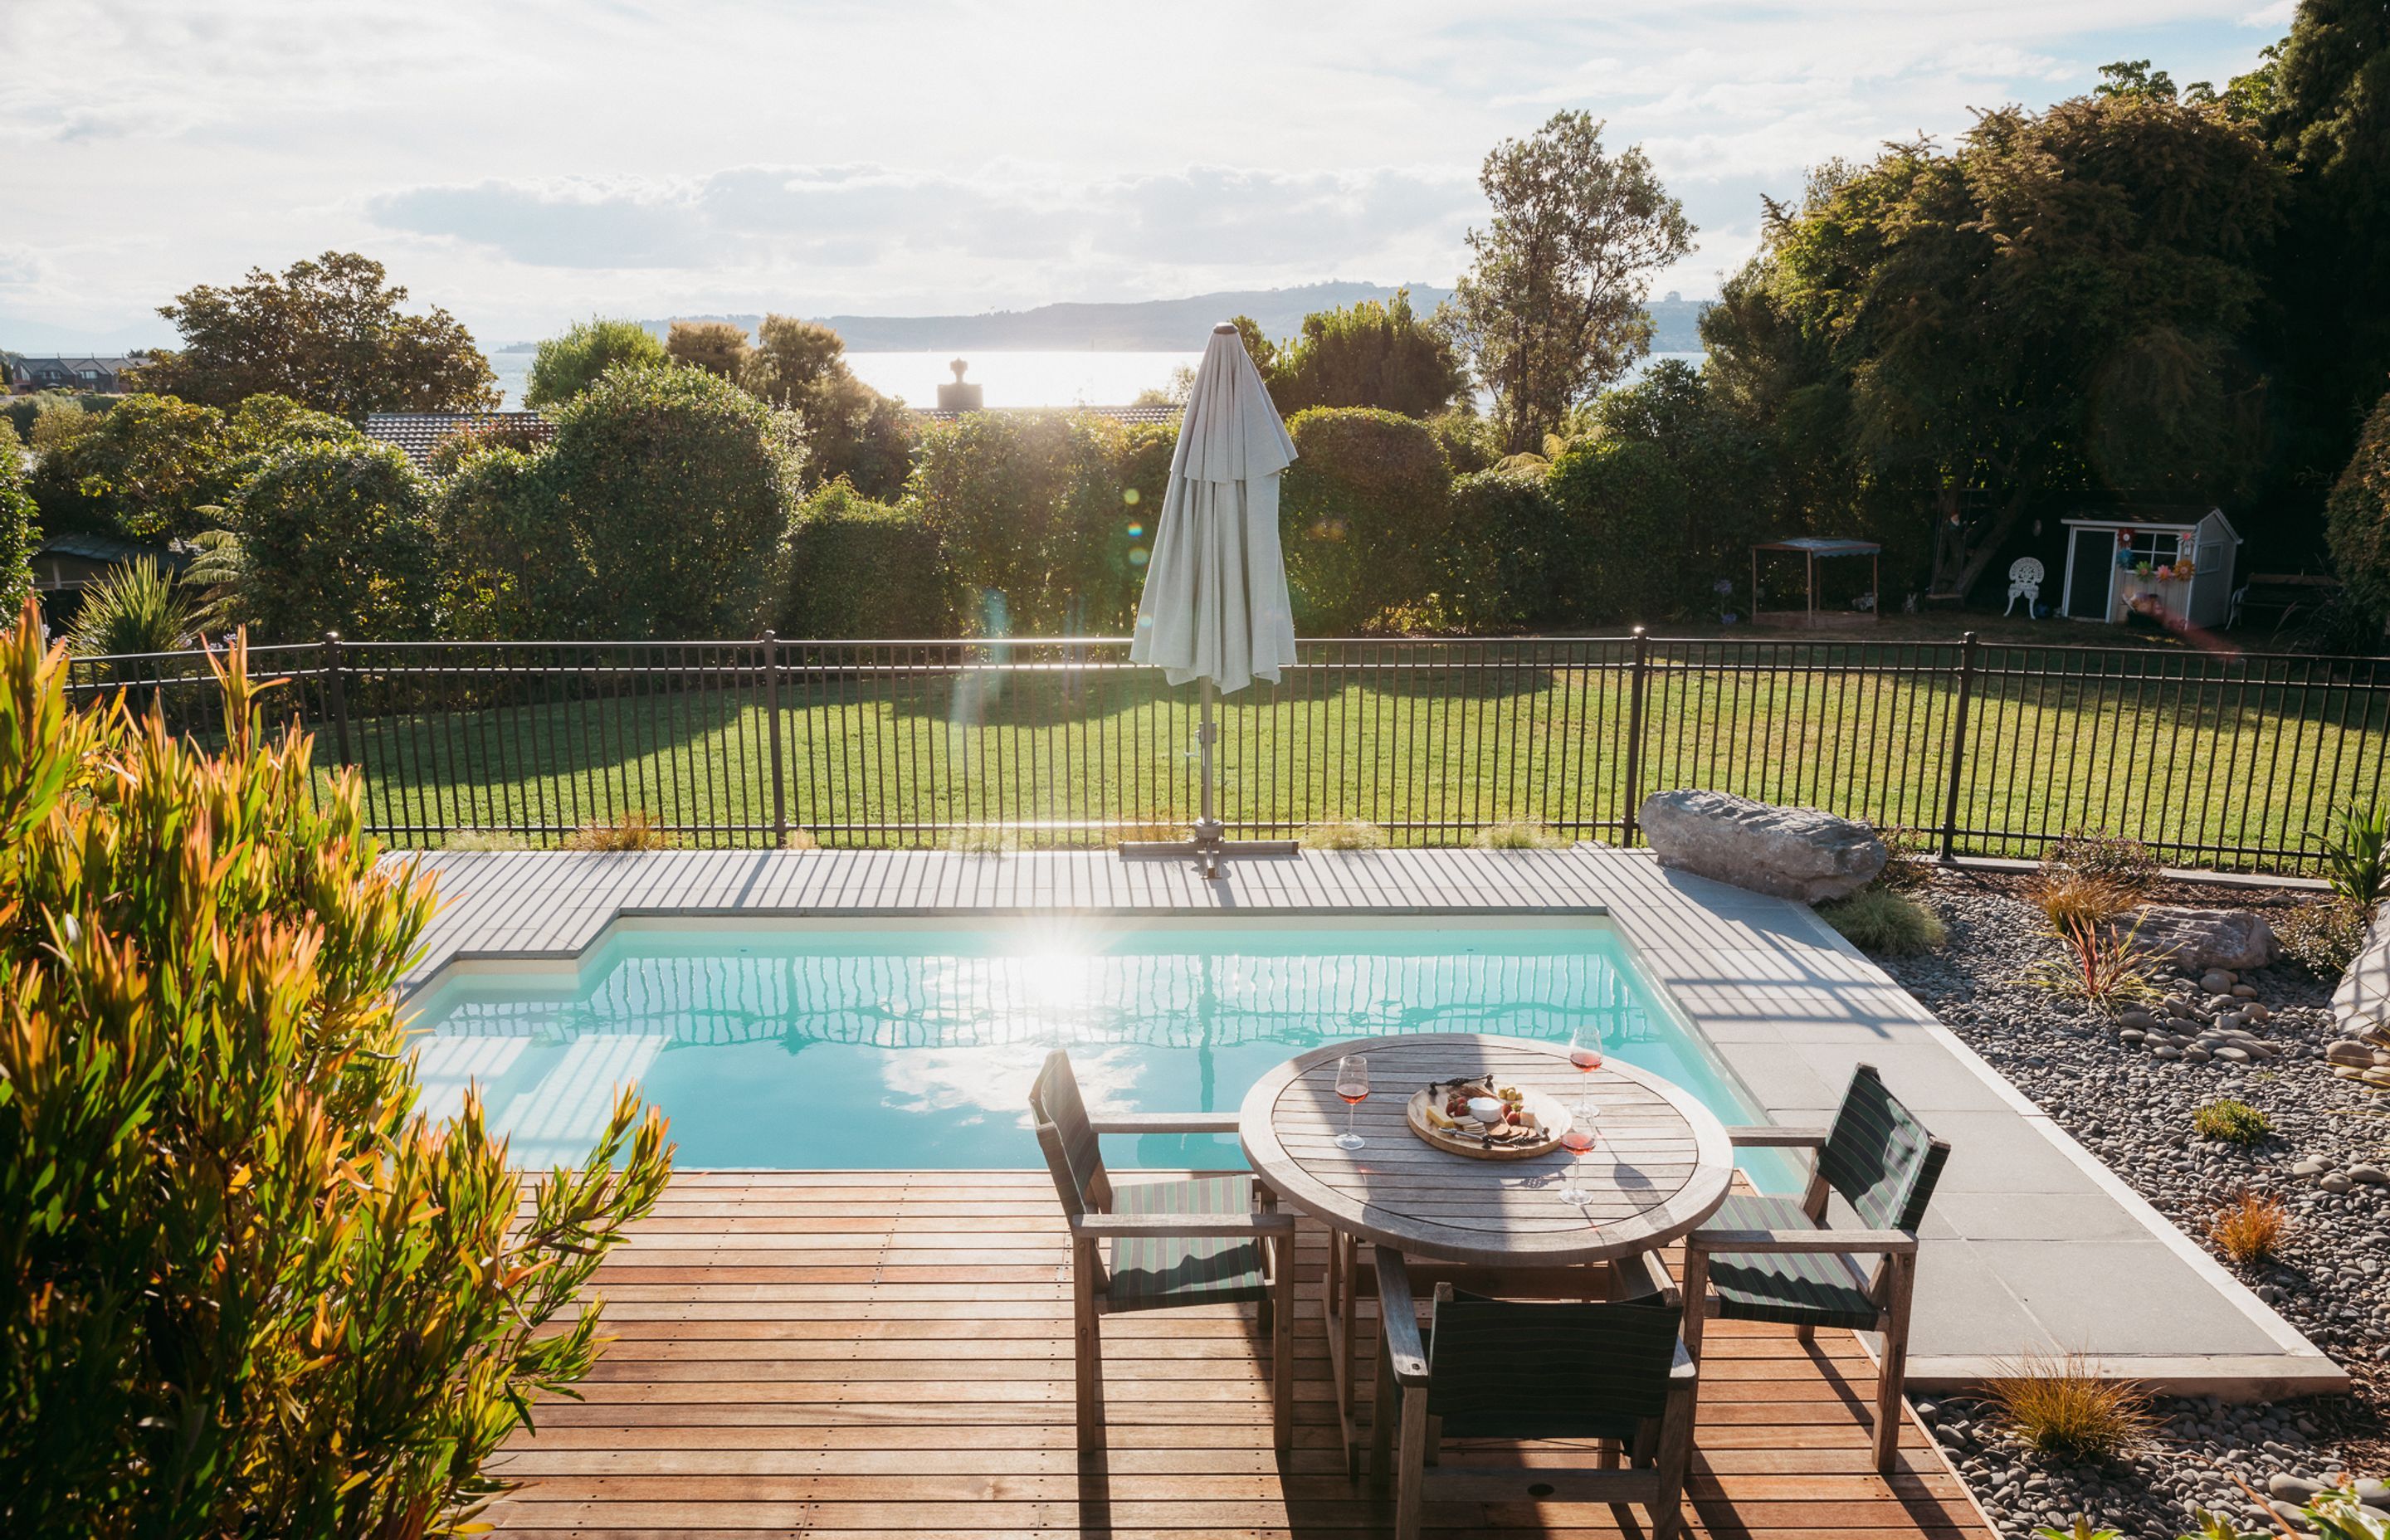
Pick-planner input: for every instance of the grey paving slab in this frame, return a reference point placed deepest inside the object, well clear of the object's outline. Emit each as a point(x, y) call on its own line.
point(2032, 1245)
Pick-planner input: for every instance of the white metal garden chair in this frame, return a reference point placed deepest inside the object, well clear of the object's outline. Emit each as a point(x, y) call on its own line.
point(2024, 582)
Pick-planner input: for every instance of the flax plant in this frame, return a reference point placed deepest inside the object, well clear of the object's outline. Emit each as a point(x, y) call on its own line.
point(247, 1288)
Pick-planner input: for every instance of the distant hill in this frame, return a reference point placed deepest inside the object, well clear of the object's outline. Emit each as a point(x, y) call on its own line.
point(1156, 326)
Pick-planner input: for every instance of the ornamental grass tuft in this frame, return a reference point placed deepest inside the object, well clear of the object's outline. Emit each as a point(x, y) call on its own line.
point(2058, 1407)
point(2249, 1228)
point(1886, 921)
point(1342, 834)
point(1518, 836)
point(637, 830)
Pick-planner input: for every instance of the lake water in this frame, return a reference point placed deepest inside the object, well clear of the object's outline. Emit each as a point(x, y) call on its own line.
point(1057, 378)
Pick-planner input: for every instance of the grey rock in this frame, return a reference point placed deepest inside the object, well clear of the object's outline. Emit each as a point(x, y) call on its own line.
point(2334, 1181)
point(2233, 1055)
point(2371, 1175)
point(2313, 1166)
point(2207, 939)
point(1798, 853)
point(2290, 1488)
point(2216, 981)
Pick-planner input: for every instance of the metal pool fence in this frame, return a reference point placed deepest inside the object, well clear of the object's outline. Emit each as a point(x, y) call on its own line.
point(2221, 759)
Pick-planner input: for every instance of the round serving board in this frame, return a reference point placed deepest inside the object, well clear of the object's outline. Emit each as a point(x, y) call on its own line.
point(1551, 1121)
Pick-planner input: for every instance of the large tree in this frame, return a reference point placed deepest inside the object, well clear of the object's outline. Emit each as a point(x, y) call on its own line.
point(329, 334)
point(156, 469)
point(1552, 308)
point(717, 347)
point(1371, 353)
point(851, 430)
point(569, 365)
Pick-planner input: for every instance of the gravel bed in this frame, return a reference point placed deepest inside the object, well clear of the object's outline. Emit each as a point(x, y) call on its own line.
point(2134, 1110)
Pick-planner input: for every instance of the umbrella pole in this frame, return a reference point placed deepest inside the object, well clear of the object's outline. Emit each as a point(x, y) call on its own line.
point(1208, 827)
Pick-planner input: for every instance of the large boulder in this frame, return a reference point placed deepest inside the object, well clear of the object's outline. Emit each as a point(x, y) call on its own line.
point(1800, 853)
point(2201, 938)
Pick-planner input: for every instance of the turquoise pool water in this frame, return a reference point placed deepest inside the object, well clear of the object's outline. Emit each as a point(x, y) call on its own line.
point(900, 1044)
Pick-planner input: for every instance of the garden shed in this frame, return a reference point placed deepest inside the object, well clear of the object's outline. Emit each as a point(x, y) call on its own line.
point(2172, 565)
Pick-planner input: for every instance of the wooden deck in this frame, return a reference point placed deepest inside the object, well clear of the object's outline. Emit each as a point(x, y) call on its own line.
point(860, 1352)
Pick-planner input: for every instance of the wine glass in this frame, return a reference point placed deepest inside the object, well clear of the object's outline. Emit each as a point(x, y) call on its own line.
point(1576, 1141)
point(1585, 1052)
point(1352, 1085)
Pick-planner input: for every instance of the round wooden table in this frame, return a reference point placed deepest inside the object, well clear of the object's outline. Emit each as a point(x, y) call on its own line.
point(1660, 1167)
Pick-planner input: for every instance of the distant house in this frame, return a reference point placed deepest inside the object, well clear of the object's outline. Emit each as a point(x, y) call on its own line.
point(415, 434)
point(94, 373)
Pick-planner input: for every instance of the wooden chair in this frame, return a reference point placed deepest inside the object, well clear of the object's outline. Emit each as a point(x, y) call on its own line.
point(1200, 1240)
point(1769, 1258)
point(1618, 1374)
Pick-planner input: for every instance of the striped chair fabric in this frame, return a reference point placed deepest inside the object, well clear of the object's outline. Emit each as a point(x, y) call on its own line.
point(1150, 1271)
point(1501, 1368)
point(1828, 1289)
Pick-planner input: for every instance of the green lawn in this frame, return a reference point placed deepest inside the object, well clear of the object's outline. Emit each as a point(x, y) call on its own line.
point(2210, 761)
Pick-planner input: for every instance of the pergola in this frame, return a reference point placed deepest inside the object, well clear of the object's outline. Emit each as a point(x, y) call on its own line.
point(1811, 549)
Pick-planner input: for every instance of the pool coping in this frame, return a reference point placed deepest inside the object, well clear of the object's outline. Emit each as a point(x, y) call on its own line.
point(1781, 1000)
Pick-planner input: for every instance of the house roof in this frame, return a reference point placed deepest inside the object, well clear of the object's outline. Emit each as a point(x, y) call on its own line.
point(1118, 414)
point(414, 434)
point(30, 365)
point(2174, 515)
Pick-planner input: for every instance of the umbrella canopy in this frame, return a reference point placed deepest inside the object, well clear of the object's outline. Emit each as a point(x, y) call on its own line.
point(1216, 605)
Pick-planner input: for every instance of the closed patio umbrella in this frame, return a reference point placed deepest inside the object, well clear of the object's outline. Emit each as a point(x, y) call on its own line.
point(1215, 606)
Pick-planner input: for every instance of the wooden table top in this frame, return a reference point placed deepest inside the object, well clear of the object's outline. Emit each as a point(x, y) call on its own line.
point(1661, 1164)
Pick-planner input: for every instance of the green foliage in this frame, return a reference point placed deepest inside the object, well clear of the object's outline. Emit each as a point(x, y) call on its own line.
point(2232, 1122)
point(1036, 507)
point(133, 608)
point(2325, 934)
point(851, 430)
point(142, 473)
point(717, 347)
point(1342, 834)
point(2357, 853)
point(1257, 346)
point(246, 1289)
point(1469, 441)
point(23, 412)
point(1519, 836)
point(60, 426)
point(20, 536)
point(1363, 514)
point(2357, 518)
point(2127, 865)
point(1886, 921)
point(328, 333)
point(469, 439)
point(2080, 1530)
point(1370, 353)
point(857, 568)
point(658, 511)
point(483, 839)
point(567, 365)
point(335, 536)
point(1552, 307)
point(1508, 564)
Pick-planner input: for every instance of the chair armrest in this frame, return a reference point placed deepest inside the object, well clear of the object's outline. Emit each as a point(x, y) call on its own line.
point(1804, 1243)
point(1182, 1225)
point(1399, 1312)
point(1166, 1122)
point(1764, 1136)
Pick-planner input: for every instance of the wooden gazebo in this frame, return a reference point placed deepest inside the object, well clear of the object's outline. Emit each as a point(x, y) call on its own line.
point(1811, 548)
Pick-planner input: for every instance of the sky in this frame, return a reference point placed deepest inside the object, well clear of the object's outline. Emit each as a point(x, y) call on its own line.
point(526, 164)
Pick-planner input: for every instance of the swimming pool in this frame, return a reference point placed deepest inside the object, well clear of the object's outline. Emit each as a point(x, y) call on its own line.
point(887, 1043)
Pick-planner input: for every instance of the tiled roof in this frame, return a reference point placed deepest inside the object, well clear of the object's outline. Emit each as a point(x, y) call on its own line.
point(416, 433)
point(1118, 414)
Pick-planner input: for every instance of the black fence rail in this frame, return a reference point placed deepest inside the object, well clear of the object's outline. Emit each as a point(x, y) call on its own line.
point(2234, 760)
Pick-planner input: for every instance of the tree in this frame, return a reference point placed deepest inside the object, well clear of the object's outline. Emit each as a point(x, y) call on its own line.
point(656, 512)
point(246, 1287)
point(851, 430)
point(327, 333)
point(20, 536)
point(1370, 353)
point(569, 365)
point(717, 347)
point(2357, 518)
point(336, 536)
point(1552, 307)
point(143, 471)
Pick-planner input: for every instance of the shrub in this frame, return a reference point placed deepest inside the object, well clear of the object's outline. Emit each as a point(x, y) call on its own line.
point(245, 1287)
point(2098, 964)
point(1469, 443)
point(1507, 563)
point(1884, 920)
point(633, 830)
point(2357, 518)
point(1519, 836)
point(462, 442)
point(20, 536)
point(979, 839)
point(1369, 353)
point(2232, 1122)
point(857, 568)
point(2059, 1406)
point(2069, 899)
point(136, 607)
point(1033, 508)
point(2356, 854)
point(1362, 514)
point(23, 412)
point(2325, 934)
point(489, 511)
point(141, 472)
point(1342, 834)
point(2249, 1228)
point(336, 536)
point(567, 365)
point(2126, 864)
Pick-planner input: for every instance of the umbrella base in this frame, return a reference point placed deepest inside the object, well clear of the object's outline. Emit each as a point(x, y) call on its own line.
point(1209, 852)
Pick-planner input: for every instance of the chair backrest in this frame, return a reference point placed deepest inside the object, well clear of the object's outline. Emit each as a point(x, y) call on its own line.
point(1522, 1364)
point(1880, 1157)
point(2025, 568)
point(1073, 1153)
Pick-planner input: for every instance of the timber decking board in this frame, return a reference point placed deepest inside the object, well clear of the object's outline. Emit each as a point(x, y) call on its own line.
point(917, 1388)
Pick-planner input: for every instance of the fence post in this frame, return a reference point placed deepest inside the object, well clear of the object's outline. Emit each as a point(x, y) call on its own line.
point(335, 686)
point(1635, 733)
point(772, 715)
point(1958, 743)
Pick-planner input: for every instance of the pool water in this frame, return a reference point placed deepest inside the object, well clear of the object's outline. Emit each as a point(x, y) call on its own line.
point(893, 1043)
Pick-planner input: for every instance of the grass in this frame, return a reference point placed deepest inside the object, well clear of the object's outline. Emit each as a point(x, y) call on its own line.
point(1342, 834)
point(2231, 1122)
point(633, 830)
point(896, 757)
point(1519, 834)
point(2249, 1228)
point(1887, 921)
point(2058, 1407)
point(483, 839)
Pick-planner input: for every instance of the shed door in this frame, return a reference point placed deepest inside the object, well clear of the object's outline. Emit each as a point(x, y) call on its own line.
point(2091, 568)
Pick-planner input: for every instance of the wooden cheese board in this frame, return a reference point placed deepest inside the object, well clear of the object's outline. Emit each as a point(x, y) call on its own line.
point(1542, 1121)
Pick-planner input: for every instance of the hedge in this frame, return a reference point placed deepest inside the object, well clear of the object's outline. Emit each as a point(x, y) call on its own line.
point(1363, 513)
point(1508, 563)
point(337, 537)
point(856, 568)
